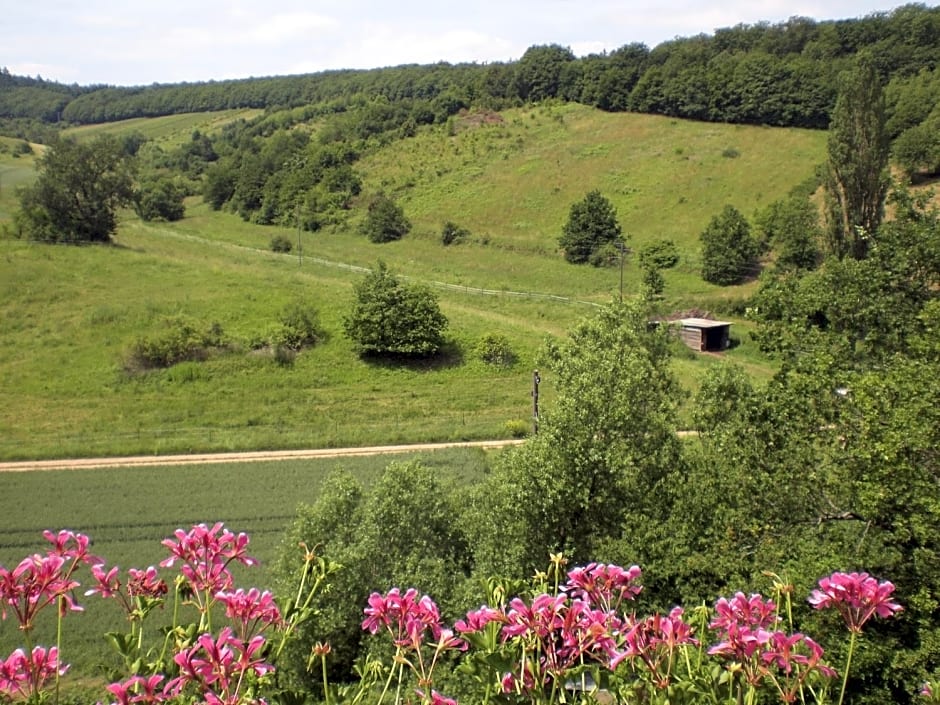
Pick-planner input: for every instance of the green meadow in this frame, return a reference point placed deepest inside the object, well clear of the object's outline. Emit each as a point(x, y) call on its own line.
point(70, 313)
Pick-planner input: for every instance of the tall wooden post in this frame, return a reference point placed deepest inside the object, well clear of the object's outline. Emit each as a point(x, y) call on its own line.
point(535, 401)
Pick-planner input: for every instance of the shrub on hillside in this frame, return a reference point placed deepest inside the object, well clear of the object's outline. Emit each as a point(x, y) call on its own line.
point(181, 339)
point(592, 223)
point(452, 233)
point(660, 254)
point(607, 255)
point(729, 251)
point(299, 326)
point(494, 349)
point(160, 199)
point(281, 243)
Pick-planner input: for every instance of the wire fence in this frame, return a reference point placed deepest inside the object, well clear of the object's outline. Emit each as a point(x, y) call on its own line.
point(459, 288)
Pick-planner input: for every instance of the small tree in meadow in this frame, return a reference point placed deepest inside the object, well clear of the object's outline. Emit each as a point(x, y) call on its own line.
point(452, 233)
point(592, 223)
point(390, 317)
point(77, 193)
point(160, 198)
point(495, 349)
point(729, 252)
point(385, 220)
point(655, 257)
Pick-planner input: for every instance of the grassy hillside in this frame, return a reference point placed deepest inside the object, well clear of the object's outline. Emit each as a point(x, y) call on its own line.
point(514, 176)
point(70, 313)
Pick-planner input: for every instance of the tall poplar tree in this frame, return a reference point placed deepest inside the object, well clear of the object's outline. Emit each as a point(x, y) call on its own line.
point(857, 175)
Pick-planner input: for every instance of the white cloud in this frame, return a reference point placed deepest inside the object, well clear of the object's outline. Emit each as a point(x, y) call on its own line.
point(289, 26)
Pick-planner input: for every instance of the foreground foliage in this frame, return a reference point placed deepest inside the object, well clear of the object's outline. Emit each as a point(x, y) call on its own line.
point(569, 636)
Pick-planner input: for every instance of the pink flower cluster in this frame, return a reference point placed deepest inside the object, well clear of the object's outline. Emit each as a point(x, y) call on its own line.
point(41, 580)
point(750, 642)
point(218, 667)
point(857, 596)
point(206, 554)
point(408, 618)
point(140, 690)
point(552, 633)
point(654, 641)
point(562, 631)
point(37, 582)
point(25, 676)
point(252, 611)
point(141, 584)
point(743, 624)
point(604, 586)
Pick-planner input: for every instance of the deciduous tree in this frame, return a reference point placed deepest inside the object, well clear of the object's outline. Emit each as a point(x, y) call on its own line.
point(390, 317)
point(592, 223)
point(160, 198)
point(385, 220)
point(857, 177)
point(791, 227)
point(78, 192)
point(591, 478)
point(729, 252)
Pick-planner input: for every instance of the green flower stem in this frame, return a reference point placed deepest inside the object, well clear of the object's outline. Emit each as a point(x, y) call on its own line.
point(175, 623)
point(326, 688)
point(848, 665)
point(391, 674)
point(58, 644)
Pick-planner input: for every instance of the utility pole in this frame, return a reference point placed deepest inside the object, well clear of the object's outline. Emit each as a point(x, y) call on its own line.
point(622, 248)
point(535, 401)
point(300, 248)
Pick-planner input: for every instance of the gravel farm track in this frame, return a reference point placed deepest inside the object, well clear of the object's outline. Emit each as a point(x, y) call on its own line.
point(242, 457)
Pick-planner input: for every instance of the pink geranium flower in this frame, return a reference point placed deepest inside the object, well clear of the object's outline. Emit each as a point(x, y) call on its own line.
point(857, 596)
point(407, 617)
point(478, 619)
point(38, 581)
point(205, 554)
point(252, 611)
point(23, 675)
point(604, 586)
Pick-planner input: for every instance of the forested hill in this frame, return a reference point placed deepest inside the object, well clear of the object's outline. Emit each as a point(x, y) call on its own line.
point(775, 74)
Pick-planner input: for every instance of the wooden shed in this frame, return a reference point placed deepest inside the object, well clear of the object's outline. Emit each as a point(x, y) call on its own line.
point(704, 335)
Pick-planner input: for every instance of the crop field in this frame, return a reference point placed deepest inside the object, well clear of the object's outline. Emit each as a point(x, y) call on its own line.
point(168, 130)
point(127, 512)
point(70, 314)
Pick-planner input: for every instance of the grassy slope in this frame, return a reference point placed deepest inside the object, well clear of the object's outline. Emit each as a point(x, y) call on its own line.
point(70, 312)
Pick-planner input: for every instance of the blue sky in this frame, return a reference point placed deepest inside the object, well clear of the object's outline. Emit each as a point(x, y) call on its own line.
point(139, 42)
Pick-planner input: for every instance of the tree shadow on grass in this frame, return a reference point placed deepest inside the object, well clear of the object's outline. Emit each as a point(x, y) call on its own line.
point(450, 355)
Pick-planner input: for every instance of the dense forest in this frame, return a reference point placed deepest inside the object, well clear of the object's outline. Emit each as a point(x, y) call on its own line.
point(775, 74)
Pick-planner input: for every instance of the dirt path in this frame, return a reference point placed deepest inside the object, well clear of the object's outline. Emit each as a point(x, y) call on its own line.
point(245, 457)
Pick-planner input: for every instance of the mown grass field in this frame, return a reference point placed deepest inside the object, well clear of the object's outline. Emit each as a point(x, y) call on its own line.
point(127, 512)
point(70, 313)
point(171, 129)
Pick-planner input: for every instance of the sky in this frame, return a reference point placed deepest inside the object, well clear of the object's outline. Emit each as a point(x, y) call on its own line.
point(140, 42)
